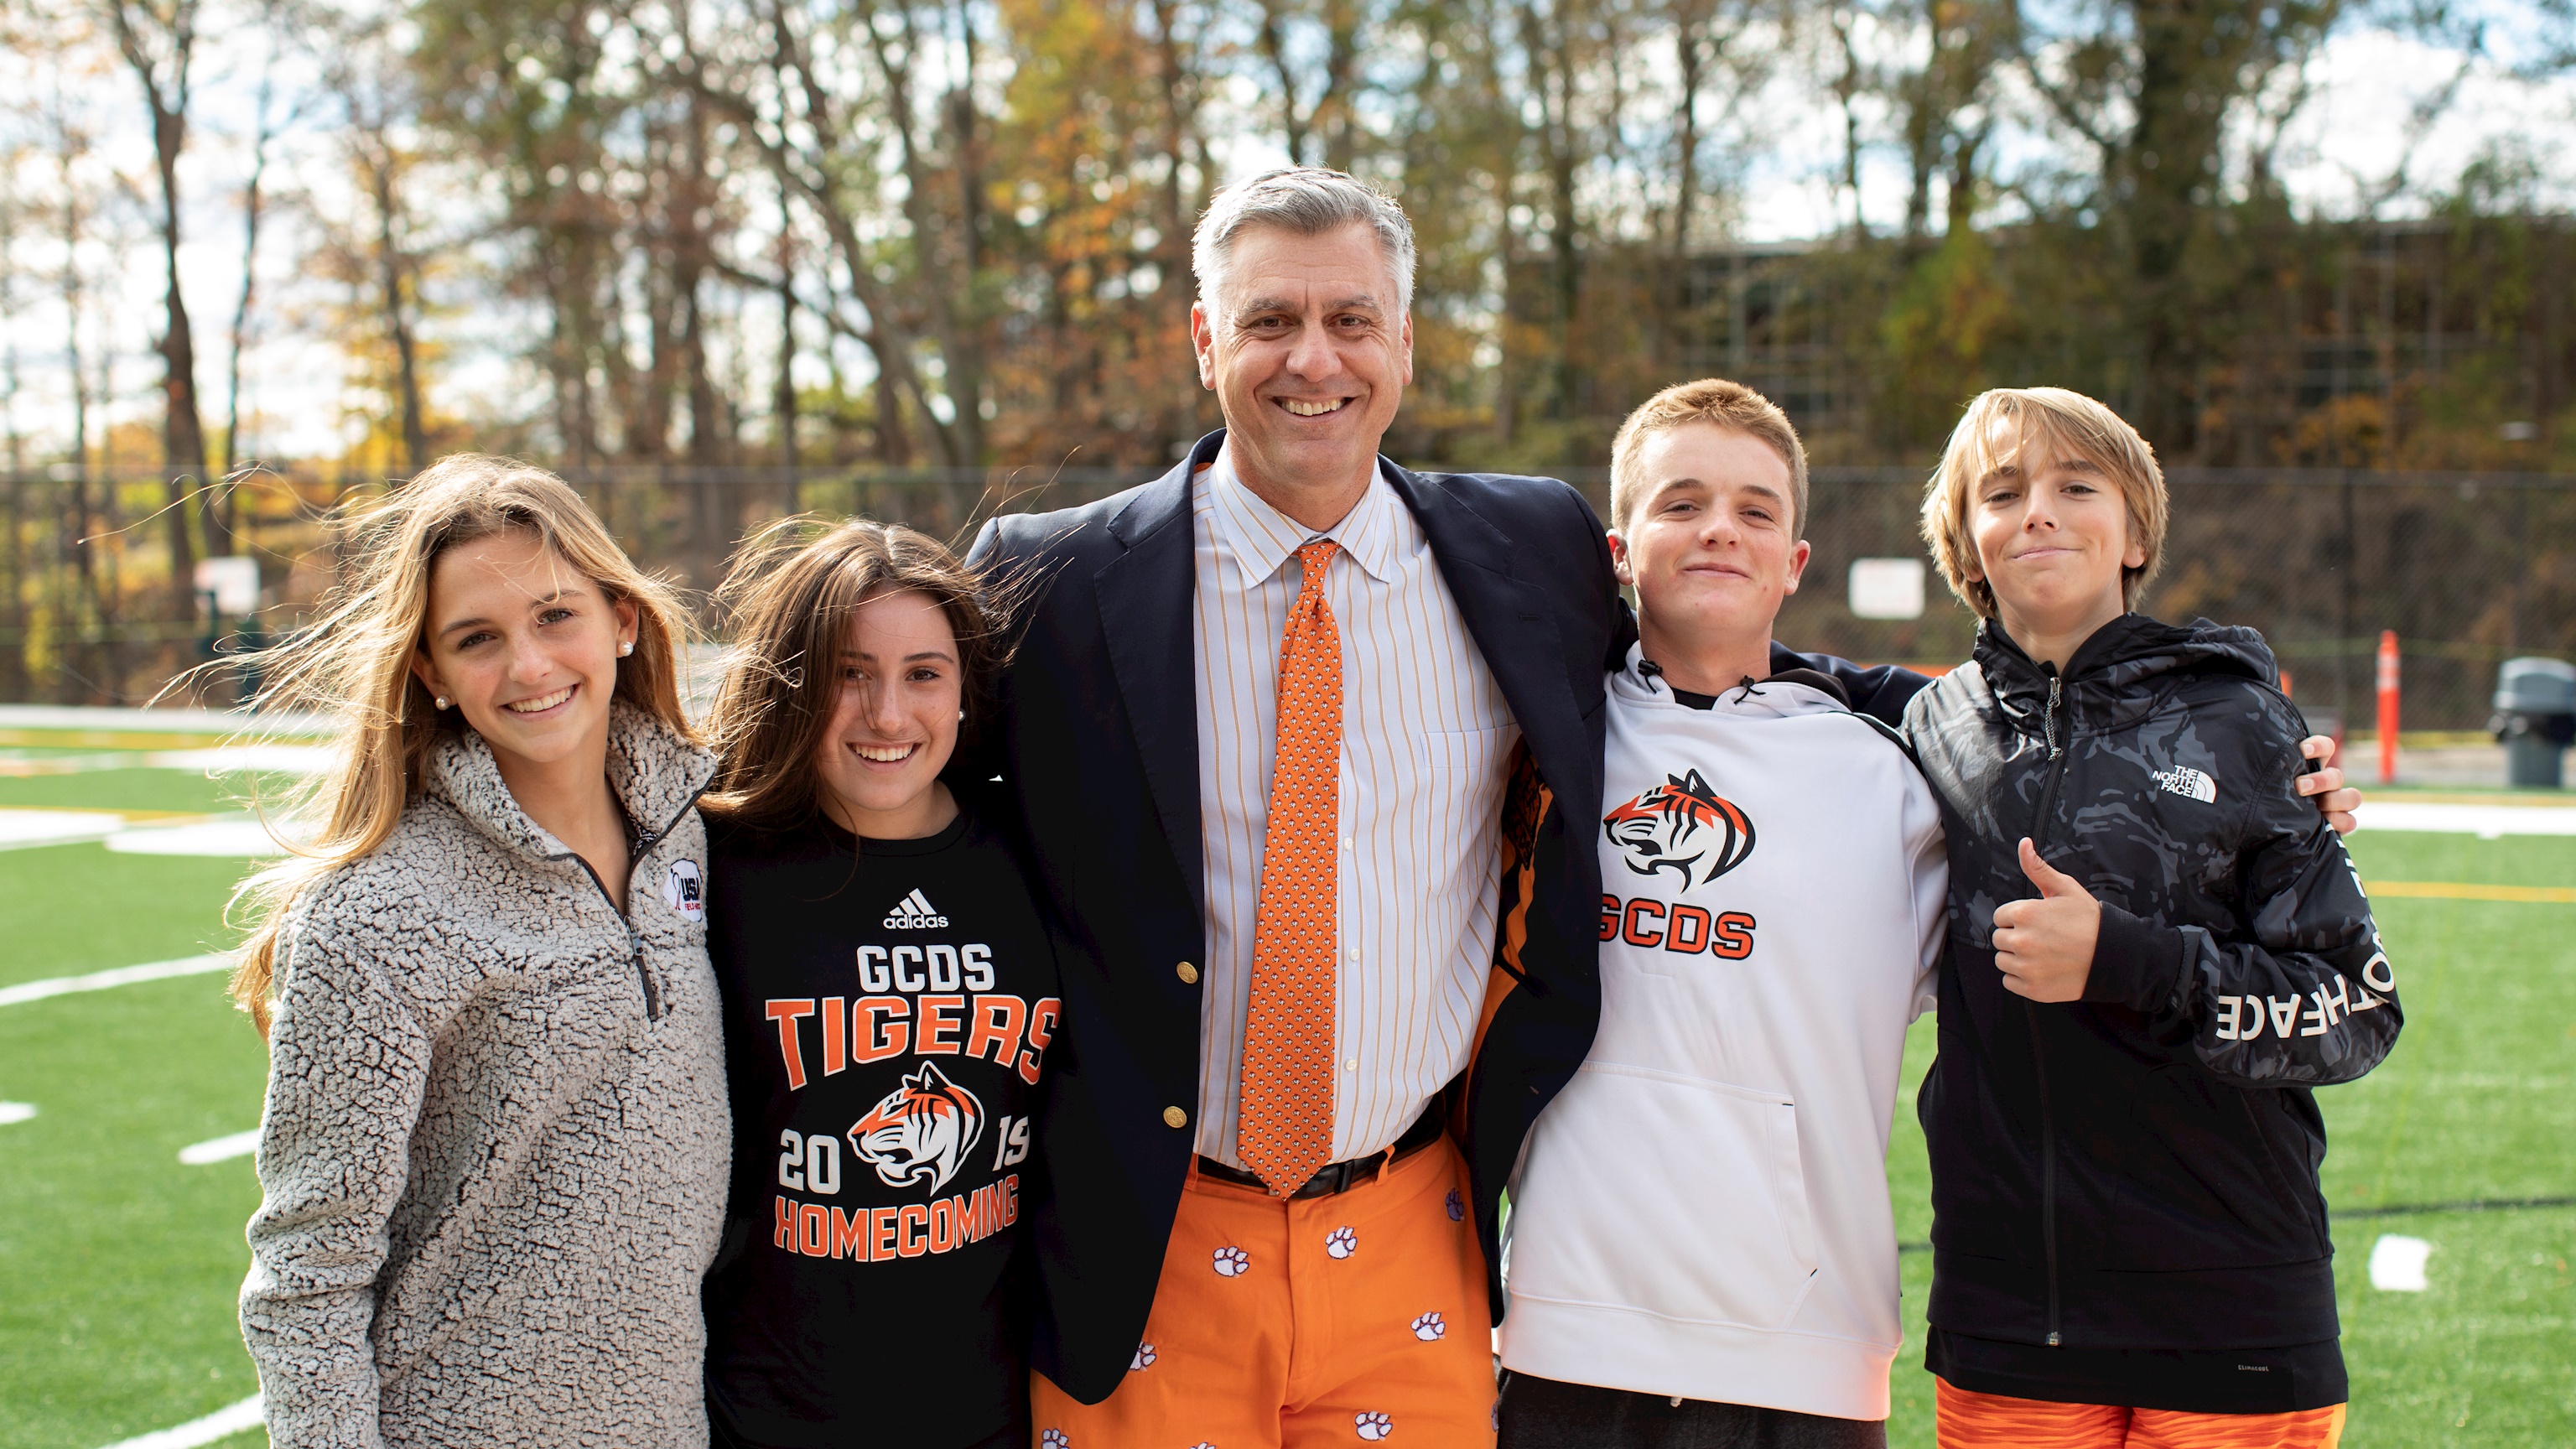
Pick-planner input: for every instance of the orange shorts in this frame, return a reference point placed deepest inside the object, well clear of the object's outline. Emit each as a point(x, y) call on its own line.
point(1968, 1420)
point(1283, 1324)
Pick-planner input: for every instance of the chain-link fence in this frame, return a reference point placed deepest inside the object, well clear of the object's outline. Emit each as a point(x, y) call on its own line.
point(2468, 569)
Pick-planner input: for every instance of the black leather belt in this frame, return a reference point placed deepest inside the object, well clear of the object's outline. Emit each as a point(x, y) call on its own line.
point(1336, 1177)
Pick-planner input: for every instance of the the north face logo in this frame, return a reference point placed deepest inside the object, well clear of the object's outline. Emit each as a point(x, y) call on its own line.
point(914, 913)
point(1681, 825)
point(2189, 783)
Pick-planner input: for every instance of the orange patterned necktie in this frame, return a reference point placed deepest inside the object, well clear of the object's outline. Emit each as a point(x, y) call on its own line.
point(1284, 1128)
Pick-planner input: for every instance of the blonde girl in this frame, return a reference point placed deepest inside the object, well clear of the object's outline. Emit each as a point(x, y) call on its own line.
point(494, 1153)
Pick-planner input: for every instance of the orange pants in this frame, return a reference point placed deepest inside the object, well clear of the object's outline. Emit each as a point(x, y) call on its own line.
point(1282, 1324)
point(1968, 1420)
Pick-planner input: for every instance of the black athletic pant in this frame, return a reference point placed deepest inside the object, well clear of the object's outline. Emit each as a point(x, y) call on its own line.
point(1544, 1414)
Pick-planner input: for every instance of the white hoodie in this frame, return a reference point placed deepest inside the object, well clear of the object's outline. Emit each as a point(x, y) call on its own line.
point(1703, 1210)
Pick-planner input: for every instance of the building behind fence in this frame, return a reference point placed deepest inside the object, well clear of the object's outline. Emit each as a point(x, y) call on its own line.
point(2469, 569)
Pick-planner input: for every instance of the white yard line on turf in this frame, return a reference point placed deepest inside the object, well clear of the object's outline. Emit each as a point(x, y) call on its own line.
point(121, 976)
point(2488, 822)
point(24, 829)
point(242, 836)
point(162, 721)
point(223, 1423)
point(219, 1149)
point(16, 1112)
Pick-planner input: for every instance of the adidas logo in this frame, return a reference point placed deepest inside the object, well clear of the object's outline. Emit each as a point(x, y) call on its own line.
point(914, 913)
point(2188, 783)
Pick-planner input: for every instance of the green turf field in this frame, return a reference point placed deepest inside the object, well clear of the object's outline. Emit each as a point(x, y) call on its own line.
point(2478, 1101)
point(120, 1264)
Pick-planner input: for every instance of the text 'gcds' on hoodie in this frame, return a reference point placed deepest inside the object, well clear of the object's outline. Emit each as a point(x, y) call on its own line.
point(1703, 1211)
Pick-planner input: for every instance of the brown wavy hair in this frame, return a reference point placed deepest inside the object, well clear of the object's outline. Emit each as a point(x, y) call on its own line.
point(353, 663)
point(789, 595)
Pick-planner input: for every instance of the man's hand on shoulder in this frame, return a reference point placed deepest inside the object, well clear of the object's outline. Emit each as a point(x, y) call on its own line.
point(2334, 799)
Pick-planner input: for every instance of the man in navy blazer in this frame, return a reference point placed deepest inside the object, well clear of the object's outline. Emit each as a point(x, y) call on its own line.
point(1097, 735)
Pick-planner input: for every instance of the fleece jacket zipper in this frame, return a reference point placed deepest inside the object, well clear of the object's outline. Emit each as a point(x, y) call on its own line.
point(644, 841)
point(2030, 1009)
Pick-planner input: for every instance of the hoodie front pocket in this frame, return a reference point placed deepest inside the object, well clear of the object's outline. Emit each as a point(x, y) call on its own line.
point(1678, 1196)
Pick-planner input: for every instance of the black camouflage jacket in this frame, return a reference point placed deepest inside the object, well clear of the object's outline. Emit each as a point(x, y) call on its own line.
point(2138, 1169)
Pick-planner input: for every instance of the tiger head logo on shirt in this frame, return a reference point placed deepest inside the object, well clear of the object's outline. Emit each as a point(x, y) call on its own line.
point(1681, 825)
point(921, 1131)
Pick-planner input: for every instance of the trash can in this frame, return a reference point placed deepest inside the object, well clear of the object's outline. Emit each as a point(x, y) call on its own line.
point(2535, 718)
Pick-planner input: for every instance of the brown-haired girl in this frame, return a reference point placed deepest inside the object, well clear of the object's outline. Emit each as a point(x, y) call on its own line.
point(493, 1158)
point(889, 996)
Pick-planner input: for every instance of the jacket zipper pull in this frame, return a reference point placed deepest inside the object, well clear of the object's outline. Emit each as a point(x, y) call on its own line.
point(2048, 721)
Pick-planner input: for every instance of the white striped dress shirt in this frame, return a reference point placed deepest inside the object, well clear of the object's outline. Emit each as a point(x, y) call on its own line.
point(1425, 741)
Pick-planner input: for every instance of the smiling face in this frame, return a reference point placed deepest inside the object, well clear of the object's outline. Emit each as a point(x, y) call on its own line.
point(1309, 356)
point(1710, 547)
point(525, 646)
point(894, 721)
point(2052, 535)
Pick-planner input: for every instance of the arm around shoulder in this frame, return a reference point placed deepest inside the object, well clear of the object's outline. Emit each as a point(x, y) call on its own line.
point(2309, 1000)
point(348, 1062)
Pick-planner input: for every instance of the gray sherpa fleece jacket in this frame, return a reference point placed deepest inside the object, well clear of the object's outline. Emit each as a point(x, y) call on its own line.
point(495, 1151)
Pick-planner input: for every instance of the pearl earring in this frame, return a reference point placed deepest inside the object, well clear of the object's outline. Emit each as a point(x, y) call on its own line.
point(961, 714)
point(442, 701)
point(625, 648)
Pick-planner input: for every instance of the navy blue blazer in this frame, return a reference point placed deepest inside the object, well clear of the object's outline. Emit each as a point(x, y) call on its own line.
point(1097, 738)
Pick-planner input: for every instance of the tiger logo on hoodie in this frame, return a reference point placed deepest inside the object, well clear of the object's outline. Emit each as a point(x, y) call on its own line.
point(1681, 825)
point(921, 1131)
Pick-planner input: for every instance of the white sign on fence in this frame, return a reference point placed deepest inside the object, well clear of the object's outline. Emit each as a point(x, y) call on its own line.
point(1887, 588)
point(233, 580)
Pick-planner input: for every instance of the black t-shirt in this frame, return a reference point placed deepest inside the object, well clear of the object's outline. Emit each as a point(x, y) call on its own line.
point(888, 1004)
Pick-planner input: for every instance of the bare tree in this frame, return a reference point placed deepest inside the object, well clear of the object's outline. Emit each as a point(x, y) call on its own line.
point(76, 604)
point(1323, 129)
point(266, 123)
point(818, 126)
point(373, 89)
point(158, 41)
point(13, 613)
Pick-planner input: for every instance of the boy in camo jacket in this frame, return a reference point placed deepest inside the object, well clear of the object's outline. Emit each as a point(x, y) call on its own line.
point(2157, 948)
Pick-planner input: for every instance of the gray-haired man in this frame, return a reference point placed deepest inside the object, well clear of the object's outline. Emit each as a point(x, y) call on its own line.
point(1262, 724)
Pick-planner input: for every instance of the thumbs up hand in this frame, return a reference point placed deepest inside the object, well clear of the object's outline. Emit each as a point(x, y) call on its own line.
point(2045, 947)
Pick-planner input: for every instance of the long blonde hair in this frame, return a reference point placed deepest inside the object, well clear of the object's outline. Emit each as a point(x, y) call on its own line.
point(354, 663)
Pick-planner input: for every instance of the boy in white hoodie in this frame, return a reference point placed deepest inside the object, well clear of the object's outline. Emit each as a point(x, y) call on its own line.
point(1701, 1250)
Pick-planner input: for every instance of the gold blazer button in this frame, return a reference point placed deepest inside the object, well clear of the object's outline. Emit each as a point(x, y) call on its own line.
point(1188, 973)
point(1175, 1117)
